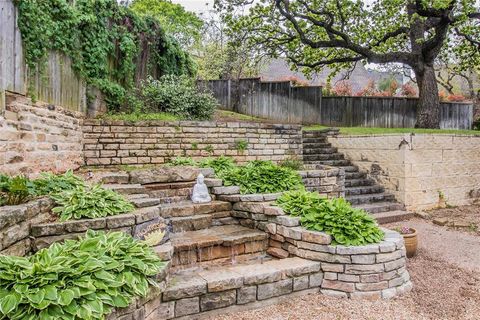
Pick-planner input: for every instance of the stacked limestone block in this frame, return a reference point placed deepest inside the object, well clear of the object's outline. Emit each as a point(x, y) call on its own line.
point(327, 181)
point(15, 223)
point(370, 271)
point(45, 234)
point(113, 142)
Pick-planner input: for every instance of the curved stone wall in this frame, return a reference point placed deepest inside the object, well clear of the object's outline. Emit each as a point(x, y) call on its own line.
point(370, 271)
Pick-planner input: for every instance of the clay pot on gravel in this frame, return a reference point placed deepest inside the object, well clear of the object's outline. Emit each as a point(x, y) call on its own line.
point(411, 240)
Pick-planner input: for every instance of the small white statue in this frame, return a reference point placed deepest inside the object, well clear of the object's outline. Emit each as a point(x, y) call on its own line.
point(200, 191)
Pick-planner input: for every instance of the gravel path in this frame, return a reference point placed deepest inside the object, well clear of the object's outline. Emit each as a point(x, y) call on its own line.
point(445, 275)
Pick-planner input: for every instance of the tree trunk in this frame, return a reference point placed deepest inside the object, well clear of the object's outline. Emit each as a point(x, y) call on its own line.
point(428, 108)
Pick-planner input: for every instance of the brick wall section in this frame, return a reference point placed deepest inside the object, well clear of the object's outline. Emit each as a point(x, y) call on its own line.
point(153, 142)
point(36, 137)
point(418, 169)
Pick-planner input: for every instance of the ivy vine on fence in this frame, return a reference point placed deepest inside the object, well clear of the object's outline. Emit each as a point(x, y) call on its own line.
point(111, 47)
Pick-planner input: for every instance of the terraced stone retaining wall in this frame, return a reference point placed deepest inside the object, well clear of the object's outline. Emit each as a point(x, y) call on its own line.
point(423, 171)
point(371, 271)
point(45, 234)
point(327, 181)
point(15, 224)
point(153, 142)
point(36, 137)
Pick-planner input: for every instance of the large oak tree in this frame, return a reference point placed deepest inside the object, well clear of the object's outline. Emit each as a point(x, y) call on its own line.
point(314, 33)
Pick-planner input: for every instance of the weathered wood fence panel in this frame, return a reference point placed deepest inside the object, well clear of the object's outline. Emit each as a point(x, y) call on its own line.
point(56, 84)
point(282, 102)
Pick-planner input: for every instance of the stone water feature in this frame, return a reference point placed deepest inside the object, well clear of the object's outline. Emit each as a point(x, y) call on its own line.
point(237, 251)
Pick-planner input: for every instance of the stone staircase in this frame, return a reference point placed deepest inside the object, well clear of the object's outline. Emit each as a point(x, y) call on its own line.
point(361, 191)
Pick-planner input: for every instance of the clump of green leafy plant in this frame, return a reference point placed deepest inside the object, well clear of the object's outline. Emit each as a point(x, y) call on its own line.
point(347, 225)
point(220, 165)
point(177, 95)
point(50, 183)
point(241, 145)
point(182, 161)
point(79, 279)
point(15, 190)
point(292, 163)
point(89, 202)
point(262, 177)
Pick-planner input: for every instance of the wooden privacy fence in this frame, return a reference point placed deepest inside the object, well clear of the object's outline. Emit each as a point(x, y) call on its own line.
point(285, 103)
point(58, 84)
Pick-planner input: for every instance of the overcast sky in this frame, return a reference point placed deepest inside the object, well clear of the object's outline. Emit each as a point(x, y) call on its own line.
point(197, 6)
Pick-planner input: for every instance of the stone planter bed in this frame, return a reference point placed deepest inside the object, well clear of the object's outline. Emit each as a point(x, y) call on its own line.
point(371, 271)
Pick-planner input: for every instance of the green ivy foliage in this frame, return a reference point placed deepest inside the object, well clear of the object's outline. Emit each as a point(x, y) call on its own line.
point(79, 279)
point(219, 165)
point(15, 190)
point(50, 183)
point(89, 202)
point(108, 43)
point(347, 225)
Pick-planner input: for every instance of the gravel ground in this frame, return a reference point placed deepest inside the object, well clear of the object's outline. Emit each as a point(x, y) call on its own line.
point(463, 218)
point(445, 274)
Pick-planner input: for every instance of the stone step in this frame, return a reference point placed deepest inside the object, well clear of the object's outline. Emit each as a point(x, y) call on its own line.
point(191, 223)
point(351, 191)
point(137, 196)
point(354, 175)
point(315, 140)
point(194, 291)
point(315, 134)
point(328, 150)
point(359, 182)
point(115, 178)
point(126, 188)
point(323, 157)
point(316, 145)
point(379, 207)
point(370, 198)
point(350, 168)
point(188, 208)
point(145, 202)
point(392, 216)
point(216, 243)
point(335, 163)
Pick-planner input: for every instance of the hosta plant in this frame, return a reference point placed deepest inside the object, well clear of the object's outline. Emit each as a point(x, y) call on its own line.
point(347, 225)
point(15, 190)
point(220, 165)
point(262, 177)
point(89, 202)
point(50, 183)
point(79, 279)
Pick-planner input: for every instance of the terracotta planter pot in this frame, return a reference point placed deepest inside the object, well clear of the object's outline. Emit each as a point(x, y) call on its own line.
point(411, 243)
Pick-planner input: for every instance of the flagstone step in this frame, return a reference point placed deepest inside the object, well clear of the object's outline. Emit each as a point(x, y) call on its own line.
point(315, 140)
point(335, 163)
point(316, 145)
point(188, 208)
point(145, 202)
point(197, 292)
point(115, 178)
point(379, 207)
point(354, 175)
point(359, 182)
point(326, 150)
point(369, 198)
point(393, 216)
point(126, 188)
point(323, 157)
point(351, 191)
point(219, 242)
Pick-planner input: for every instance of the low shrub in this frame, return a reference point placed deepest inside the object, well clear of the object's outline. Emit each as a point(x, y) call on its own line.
point(262, 177)
point(89, 202)
point(177, 95)
point(81, 279)
point(15, 190)
point(347, 225)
